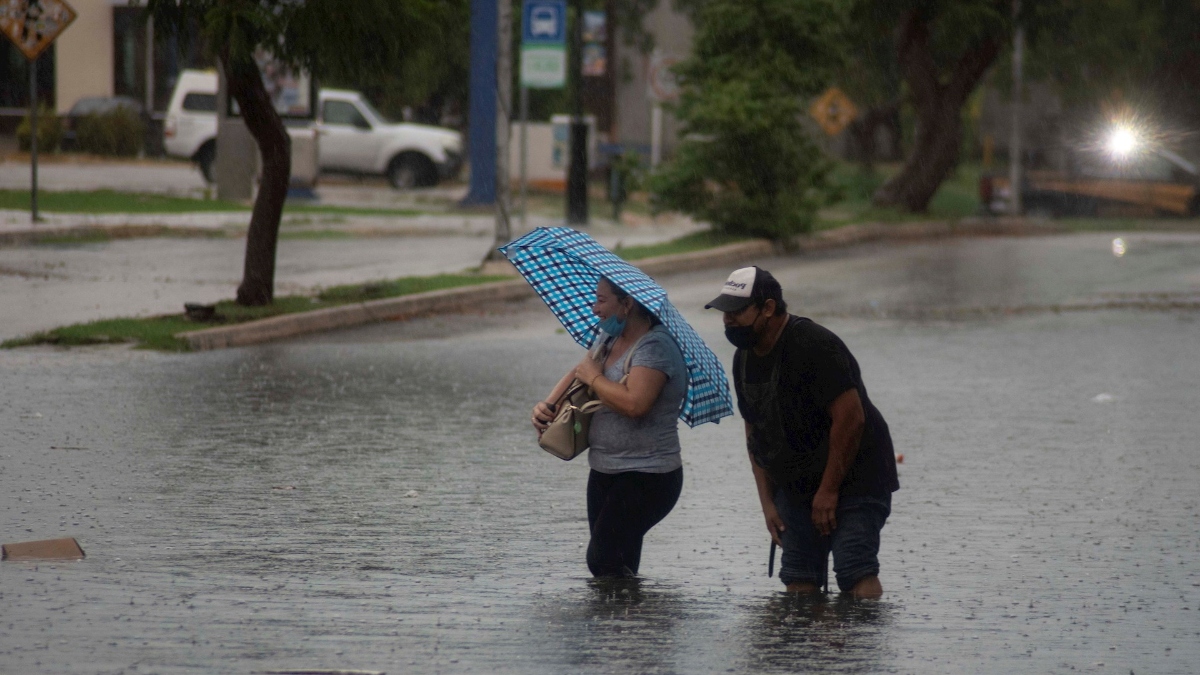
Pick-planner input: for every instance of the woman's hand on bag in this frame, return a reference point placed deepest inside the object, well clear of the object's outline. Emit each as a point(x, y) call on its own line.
point(587, 371)
point(543, 414)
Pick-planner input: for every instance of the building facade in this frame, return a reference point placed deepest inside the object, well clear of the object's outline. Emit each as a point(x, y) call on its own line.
point(109, 50)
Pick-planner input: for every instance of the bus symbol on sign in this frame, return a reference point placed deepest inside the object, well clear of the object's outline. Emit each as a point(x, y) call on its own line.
point(545, 22)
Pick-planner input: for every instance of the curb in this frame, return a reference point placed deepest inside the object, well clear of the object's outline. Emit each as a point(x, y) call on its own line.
point(357, 314)
point(471, 297)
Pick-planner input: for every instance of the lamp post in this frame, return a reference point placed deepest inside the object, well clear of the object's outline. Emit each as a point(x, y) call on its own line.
point(481, 105)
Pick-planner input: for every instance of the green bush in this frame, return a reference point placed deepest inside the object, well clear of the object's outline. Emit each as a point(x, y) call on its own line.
point(118, 133)
point(50, 131)
point(746, 163)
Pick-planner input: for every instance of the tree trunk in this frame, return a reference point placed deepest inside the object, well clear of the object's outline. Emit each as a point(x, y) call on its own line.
point(246, 87)
point(939, 112)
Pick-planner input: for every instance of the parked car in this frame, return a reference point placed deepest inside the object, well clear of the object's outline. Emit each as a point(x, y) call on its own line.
point(93, 105)
point(354, 137)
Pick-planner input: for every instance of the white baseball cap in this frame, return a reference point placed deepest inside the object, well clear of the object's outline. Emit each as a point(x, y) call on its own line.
point(738, 291)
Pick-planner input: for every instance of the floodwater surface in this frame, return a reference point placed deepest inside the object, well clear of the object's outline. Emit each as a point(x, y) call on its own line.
point(375, 500)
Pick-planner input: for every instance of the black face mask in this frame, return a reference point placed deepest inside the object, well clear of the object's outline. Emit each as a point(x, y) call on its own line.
point(743, 337)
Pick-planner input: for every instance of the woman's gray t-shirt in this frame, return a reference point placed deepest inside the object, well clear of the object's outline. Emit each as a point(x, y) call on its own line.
point(649, 443)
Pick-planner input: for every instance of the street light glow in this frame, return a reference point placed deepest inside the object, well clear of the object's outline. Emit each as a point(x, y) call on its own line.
point(1122, 142)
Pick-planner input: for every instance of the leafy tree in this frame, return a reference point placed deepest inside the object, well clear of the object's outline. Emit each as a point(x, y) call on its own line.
point(943, 49)
point(1139, 60)
point(432, 78)
point(328, 38)
point(746, 163)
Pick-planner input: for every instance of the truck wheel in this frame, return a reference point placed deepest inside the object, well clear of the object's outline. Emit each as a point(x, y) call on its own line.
point(411, 170)
point(206, 158)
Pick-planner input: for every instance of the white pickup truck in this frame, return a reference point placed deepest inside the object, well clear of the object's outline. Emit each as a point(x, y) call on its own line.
point(354, 137)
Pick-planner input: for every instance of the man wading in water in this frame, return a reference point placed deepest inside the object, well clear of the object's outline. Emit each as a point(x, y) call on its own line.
point(821, 453)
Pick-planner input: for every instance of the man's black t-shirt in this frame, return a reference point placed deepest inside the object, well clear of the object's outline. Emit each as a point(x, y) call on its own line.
point(815, 368)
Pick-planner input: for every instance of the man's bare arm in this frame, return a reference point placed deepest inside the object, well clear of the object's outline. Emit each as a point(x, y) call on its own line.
point(766, 497)
point(845, 433)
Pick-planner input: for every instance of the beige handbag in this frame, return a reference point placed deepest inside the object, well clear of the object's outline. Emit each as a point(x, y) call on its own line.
point(567, 436)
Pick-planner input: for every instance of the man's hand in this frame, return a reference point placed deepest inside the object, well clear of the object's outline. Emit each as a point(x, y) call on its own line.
point(824, 511)
point(775, 524)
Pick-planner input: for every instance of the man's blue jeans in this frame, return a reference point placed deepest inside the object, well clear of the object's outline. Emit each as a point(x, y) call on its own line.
point(854, 542)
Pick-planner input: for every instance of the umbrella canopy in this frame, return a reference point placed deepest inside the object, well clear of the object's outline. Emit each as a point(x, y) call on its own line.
point(564, 265)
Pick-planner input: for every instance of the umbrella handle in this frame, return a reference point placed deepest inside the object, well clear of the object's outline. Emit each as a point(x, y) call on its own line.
point(771, 561)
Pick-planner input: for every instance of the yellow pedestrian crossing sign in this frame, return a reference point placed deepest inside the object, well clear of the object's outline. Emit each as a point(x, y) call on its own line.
point(33, 24)
point(834, 111)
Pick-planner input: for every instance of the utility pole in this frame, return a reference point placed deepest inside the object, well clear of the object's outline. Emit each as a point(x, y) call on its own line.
point(1014, 145)
point(503, 125)
point(577, 207)
point(481, 105)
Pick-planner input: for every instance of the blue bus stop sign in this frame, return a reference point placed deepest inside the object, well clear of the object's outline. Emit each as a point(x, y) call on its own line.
point(544, 22)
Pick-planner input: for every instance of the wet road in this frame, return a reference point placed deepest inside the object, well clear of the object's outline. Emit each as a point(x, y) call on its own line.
point(373, 499)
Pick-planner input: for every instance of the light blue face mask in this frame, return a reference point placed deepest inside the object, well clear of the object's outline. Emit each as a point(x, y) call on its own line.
point(613, 325)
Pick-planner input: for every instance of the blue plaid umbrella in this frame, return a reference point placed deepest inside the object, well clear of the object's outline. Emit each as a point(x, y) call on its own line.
point(563, 266)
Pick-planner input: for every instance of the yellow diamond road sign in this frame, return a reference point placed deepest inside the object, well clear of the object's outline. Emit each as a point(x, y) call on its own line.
point(33, 24)
point(833, 110)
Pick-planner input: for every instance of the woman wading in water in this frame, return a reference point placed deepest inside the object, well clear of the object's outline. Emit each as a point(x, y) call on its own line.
point(636, 471)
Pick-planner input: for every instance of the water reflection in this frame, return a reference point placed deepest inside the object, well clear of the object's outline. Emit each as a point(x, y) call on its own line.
point(622, 625)
point(804, 633)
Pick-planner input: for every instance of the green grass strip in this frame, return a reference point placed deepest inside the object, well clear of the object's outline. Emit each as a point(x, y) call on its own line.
point(111, 201)
point(957, 197)
point(159, 332)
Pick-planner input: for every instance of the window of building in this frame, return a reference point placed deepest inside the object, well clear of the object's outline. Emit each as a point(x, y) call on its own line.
point(14, 78)
point(130, 37)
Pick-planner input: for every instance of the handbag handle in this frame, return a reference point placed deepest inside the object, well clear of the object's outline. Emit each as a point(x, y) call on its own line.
point(628, 357)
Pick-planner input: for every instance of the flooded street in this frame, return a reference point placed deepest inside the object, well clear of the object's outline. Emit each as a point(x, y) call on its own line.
point(374, 499)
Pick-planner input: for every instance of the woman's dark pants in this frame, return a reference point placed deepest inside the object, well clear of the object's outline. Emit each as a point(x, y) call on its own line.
point(622, 507)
